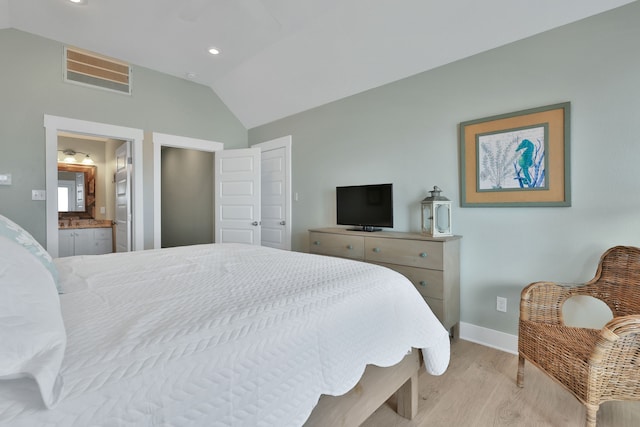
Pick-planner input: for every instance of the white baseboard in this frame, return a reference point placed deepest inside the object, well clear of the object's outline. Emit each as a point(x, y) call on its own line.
point(489, 337)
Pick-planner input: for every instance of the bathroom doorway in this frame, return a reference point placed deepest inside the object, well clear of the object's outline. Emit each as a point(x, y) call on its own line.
point(54, 126)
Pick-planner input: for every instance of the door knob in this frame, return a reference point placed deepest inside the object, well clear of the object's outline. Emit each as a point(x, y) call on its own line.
point(282, 223)
point(254, 223)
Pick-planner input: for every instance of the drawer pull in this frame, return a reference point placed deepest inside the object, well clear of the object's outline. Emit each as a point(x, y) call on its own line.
point(349, 247)
point(317, 243)
point(376, 249)
point(423, 255)
point(423, 283)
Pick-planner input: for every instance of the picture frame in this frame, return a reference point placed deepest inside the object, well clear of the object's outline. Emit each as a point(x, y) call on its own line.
point(519, 159)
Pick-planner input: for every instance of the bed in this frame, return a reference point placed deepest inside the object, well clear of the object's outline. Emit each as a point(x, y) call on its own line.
point(206, 335)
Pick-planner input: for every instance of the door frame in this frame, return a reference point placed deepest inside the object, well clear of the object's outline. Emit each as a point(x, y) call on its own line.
point(165, 140)
point(55, 124)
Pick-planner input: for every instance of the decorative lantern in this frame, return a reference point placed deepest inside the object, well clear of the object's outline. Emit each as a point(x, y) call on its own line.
point(436, 214)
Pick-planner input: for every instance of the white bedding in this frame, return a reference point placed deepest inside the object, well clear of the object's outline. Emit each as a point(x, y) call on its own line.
point(221, 335)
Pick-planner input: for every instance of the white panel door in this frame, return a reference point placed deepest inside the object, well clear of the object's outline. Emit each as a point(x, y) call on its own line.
point(276, 192)
point(123, 198)
point(237, 196)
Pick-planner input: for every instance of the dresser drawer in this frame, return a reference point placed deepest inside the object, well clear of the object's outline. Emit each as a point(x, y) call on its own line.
point(414, 253)
point(431, 264)
point(430, 283)
point(339, 245)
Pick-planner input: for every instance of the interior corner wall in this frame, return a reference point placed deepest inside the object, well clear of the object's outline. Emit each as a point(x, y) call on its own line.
point(32, 85)
point(406, 132)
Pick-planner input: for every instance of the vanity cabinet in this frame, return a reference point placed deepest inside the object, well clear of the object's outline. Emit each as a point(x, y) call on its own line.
point(432, 264)
point(84, 241)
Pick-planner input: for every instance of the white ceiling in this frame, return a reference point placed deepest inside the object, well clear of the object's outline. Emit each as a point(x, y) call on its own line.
point(280, 57)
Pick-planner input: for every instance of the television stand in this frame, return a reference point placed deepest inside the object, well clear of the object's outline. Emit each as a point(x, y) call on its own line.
point(366, 228)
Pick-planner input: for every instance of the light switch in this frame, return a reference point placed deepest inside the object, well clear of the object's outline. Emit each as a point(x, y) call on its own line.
point(38, 195)
point(5, 179)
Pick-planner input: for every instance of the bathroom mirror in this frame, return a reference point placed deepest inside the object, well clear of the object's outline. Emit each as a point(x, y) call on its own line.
point(76, 191)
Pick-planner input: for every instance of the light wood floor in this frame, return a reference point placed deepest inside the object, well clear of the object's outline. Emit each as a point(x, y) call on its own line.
point(479, 389)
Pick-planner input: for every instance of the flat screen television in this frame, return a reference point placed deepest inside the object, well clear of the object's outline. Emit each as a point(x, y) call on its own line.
point(369, 207)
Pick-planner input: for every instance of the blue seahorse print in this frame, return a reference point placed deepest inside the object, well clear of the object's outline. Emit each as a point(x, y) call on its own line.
point(526, 158)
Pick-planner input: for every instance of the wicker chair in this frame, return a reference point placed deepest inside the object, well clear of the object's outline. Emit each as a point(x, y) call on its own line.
point(594, 365)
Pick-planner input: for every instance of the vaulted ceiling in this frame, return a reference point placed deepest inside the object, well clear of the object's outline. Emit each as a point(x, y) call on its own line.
point(280, 57)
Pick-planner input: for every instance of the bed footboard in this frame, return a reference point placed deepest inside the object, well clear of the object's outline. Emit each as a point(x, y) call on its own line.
point(374, 388)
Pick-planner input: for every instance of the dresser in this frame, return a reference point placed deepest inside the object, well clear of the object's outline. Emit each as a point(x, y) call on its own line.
point(432, 264)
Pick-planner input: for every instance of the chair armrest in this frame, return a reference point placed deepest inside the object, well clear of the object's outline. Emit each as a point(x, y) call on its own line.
point(620, 336)
point(621, 326)
point(542, 302)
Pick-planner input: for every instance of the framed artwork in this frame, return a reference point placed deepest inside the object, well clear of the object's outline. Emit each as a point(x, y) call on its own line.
point(516, 159)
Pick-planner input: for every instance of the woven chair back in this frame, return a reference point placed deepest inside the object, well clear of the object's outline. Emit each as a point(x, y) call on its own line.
point(617, 280)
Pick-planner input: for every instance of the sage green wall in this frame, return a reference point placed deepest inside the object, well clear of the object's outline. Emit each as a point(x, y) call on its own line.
point(32, 85)
point(406, 133)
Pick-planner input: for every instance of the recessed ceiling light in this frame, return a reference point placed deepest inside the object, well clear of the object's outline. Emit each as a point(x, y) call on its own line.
point(79, 1)
point(213, 51)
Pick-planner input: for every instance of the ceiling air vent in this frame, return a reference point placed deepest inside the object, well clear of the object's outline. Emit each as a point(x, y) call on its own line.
point(91, 69)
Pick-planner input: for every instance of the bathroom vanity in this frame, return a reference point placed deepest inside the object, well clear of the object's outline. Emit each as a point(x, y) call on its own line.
point(79, 232)
point(84, 237)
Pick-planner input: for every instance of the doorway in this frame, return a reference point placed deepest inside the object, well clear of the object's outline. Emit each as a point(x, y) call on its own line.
point(161, 140)
point(278, 178)
point(186, 197)
point(96, 154)
point(53, 127)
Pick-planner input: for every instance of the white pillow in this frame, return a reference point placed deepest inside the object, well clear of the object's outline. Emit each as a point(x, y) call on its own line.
point(32, 334)
point(13, 231)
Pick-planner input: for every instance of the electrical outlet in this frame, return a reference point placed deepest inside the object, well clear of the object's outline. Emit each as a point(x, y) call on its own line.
point(501, 304)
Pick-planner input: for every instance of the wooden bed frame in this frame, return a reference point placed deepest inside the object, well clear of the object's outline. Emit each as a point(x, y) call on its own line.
point(374, 388)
